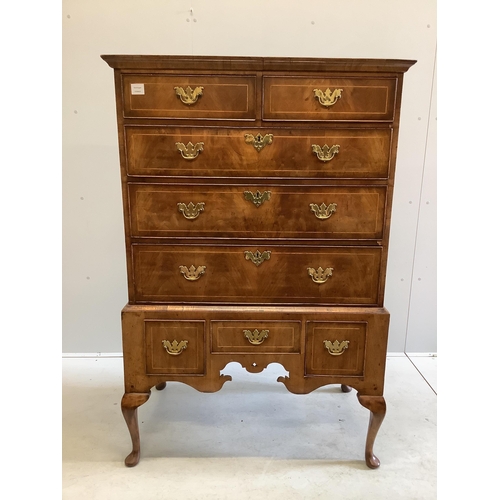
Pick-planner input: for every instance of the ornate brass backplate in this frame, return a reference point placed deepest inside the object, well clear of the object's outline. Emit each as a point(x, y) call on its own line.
point(336, 348)
point(256, 337)
point(322, 211)
point(258, 258)
point(328, 98)
point(319, 275)
point(325, 153)
point(191, 211)
point(190, 151)
point(258, 198)
point(259, 141)
point(193, 273)
point(174, 348)
point(189, 96)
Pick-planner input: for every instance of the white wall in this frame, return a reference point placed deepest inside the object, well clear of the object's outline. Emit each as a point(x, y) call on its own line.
point(94, 279)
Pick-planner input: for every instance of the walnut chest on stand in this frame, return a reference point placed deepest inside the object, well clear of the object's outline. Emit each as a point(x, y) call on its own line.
point(257, 198)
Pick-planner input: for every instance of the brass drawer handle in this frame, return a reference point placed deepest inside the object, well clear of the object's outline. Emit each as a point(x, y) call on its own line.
point(322, 211)
point(189, 96)
point(190, 151)
point(193, 273)
point(336, 348)
point(259, 141)
point(191, 211)
point(258, 258)
point(256, 337)
point(328, 98)
point(319, 275)
point(174, 348)
point(325, 153)
point(258, 198)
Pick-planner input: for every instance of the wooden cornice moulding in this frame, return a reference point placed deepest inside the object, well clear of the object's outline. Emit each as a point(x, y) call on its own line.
point(228, 63)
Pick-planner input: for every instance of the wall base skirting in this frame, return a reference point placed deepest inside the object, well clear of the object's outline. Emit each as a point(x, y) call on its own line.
point(120, 354)
point(92, 354)
point(421, 354)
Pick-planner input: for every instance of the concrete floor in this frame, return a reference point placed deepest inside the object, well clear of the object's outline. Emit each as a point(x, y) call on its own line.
point(251, 439)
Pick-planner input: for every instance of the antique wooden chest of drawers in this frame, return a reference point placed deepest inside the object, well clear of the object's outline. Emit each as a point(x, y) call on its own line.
point(257, 198)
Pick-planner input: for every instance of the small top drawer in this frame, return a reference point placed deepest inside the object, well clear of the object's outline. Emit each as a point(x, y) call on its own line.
point(329, 99)
point(189, 97)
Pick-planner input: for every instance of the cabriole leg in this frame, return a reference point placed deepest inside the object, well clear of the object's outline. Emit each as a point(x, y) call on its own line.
point(376, 405)
point(130, 402)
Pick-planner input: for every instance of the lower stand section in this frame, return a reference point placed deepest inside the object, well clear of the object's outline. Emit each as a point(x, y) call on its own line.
point(317, 346)
point(377, 407)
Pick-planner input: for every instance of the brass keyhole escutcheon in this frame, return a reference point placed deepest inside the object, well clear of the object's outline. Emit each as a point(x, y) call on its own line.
point(258, 198)
point(258, 258)
point(259, 141)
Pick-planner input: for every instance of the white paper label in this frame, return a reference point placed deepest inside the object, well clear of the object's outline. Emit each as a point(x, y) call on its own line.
point(137, 88)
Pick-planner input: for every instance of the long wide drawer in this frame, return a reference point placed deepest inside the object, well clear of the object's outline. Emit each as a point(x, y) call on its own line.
point(189, 97)
point(268, 274)
point(265, 152)
point(162, 210)
point(330, 99)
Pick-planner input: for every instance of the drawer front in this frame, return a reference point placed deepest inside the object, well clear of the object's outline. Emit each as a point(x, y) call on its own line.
point(266, 274)
point(189, 97)
point(330, 99)
point(174, 347)
point(335, 348)
point(349, 153)
point(250, 211)
point(255, 337)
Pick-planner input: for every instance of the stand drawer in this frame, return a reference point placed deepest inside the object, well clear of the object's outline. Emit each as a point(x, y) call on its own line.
point(335, 348)
point(174, 347)
point(255, 336)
